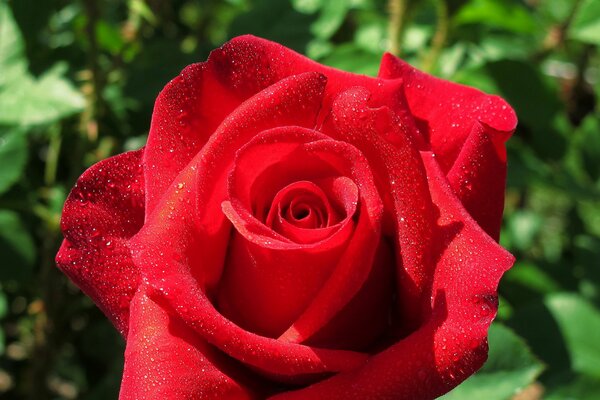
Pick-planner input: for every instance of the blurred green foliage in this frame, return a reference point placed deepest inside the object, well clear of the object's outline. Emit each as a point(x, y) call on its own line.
point(77, 84)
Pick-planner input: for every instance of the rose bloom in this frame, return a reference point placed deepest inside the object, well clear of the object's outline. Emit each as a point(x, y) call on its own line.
point(292, 231)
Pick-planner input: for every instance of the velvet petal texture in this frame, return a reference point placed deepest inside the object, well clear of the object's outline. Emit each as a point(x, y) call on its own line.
point(196, 102)
point(102, 212)
point(269, 277)
point(270, 274)
point(401, 177)
point(466, 130)
point(180, 250)
point(164, 359)
point(298, 231)
point(452, 344)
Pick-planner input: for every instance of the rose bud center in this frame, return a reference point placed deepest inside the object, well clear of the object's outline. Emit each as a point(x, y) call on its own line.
point(296, 208)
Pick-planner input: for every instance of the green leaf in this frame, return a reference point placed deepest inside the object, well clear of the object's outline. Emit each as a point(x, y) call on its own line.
point(349, 57)
point(587, 141)
point(13, 157)
point(109, 38)
point(30, 101)
point(532, 277)
point(590, 214)
point(575, 387)
point(564, 332)
point(25, 100)
point(275, 20)
point(16, 246)
point(586, 23)
point(12, 48)
point(331, 18)
point(331, 15)
point(510, 367)
point(307, 6)
point(524, 226)
point(555, 11)
point(371, 36)
point(579, 324)
point(139, 7)
point(317, 49)
point(508, 15)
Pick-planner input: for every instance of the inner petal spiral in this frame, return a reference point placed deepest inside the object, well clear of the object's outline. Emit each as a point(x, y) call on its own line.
point(301, 204)
point(311, 211)
point(305, 216)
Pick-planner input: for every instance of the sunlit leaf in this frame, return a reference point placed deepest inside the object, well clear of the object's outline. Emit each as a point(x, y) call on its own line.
point(13, 157)
point(509, 15)
point(586, 22)
point(31, 101)
point(12, 62)
point(24, 99)
point(579, 324)
point(330, 19)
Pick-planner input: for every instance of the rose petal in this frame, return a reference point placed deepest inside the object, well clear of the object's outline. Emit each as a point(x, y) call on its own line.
point(459, 121)
point(272, 160)
point(181, 248)
point(357, 261)
point(164, 359)
point(189, 222)
point(190, 108)
point(193, 104)
point(305, 204)
point(400, 175)
point(259, 271)
point(478, 177)
point(186, 113)
point(446, 110)
point(270, 279)
point(276, 359)
point(453, 343)
point(260, 62)
point(342, 191)
point(104, 209)
point(363, 321)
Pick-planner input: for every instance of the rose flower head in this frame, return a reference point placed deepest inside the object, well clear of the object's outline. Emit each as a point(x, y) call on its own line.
point(292, 231)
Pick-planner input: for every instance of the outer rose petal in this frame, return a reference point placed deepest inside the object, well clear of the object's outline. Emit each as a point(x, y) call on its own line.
point(453, 343)
point(267, 62)
point(400, 175)
point(186, 113)
point(192, 105)
point(478, 177)
point(165, 360)
point(104, 209)
point(459, 121)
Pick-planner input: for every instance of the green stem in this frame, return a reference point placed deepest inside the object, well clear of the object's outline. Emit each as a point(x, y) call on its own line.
point(397, 14)
point(439, 37)
point(94, 109)
point(53, 155)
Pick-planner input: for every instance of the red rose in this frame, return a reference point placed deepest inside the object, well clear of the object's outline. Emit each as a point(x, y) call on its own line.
point(293, 231)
